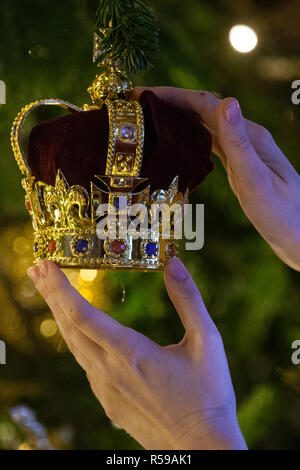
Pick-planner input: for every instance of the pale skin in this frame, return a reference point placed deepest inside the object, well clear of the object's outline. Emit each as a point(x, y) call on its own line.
point(264, 181)
point(175, 397)
point(181, 396)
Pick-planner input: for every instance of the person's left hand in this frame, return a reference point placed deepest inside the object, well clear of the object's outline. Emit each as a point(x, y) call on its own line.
point(174, 397)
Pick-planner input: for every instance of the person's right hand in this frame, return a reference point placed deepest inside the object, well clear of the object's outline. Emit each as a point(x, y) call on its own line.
point(264, 181)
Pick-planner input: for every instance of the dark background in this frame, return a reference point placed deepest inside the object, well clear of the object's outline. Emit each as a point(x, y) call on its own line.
point(45, 52)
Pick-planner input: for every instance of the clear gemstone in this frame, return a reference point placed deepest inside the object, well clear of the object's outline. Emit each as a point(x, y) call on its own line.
point(127, 132)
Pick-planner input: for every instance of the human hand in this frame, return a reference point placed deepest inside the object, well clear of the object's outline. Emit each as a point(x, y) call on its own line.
point(265, 183)
point(174, 397)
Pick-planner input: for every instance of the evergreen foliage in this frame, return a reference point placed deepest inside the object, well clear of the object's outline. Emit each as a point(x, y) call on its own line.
point(131, 34)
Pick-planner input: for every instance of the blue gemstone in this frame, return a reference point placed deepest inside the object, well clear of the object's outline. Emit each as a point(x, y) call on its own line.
point(36, 247)
point(81, 246)
point(151, 249)
point(121, 203)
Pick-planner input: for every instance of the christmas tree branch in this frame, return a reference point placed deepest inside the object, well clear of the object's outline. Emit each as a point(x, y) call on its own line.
point(130, 35)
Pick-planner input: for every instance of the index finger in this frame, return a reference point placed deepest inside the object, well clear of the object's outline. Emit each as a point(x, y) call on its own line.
point(205, 104)
point(64, 299)
point(201, 102)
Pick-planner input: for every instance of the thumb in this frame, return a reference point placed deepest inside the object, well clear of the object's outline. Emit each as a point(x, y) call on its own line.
point(248, 169)
point(187, 299)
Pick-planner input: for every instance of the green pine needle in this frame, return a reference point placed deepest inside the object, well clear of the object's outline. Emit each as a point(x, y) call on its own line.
point(133, 35)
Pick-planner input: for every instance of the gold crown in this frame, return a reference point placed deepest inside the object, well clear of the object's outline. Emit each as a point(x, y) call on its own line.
point(65, 218)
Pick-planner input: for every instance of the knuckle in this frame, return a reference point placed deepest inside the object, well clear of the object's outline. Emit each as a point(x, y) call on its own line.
point(41, 285)
point(111, 375)
point(213, 337)
point(241, 141)
point(208, 99)
point(204, 94)
point(66, 326)
point(189, 290)
point(117, 384)
point(264, 135)
point(140, 354)
point(75, 315)
point(53, 286)
point(139, 362)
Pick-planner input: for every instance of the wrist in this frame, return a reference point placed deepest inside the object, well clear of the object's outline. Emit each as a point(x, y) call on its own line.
point(233, 440)
point(221, 433)
point(226, 433)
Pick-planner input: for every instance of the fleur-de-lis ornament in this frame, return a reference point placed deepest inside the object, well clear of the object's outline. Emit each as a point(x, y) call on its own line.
point(66, 206)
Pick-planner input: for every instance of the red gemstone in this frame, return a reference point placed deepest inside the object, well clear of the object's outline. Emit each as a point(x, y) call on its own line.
point(118, 246)
point(51, 246)
point(27, 205)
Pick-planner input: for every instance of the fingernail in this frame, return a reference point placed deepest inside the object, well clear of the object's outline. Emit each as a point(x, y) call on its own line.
point(43, 265)
point(177, 270)
point(33, 274)
point(233, 112)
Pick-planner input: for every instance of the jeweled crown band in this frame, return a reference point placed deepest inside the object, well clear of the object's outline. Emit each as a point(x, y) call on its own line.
point(126, 138)
point(82, 248)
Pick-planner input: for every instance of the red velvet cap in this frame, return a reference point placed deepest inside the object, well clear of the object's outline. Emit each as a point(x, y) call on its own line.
point(176, 144)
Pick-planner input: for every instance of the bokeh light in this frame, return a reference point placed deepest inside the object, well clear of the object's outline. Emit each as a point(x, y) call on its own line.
point(87, 294)
point(48, 328)
point(243, 38)
point(24, 446)
point(88, 274)
point(21, 245)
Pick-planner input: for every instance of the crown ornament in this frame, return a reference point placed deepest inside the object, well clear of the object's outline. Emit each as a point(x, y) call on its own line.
point(94, 225)
point(65, 217)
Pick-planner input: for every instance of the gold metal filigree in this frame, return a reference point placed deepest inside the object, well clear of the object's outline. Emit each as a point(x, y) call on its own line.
point(110, 84)
point(65, 217)
point(122, 113)
point(67, 206)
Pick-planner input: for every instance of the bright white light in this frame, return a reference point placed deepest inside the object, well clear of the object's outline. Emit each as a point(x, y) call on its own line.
point(88, 274)
point(243, 38)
